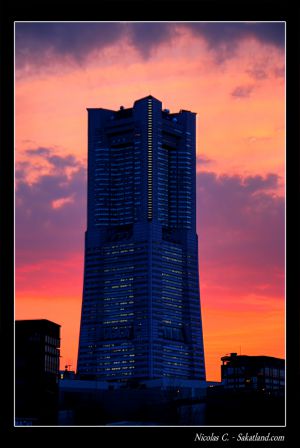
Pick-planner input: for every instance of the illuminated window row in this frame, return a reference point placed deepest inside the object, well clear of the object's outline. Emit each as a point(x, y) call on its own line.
point(150, 174)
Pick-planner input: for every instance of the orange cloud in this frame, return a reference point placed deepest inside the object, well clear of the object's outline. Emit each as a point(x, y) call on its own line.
point(58, 203)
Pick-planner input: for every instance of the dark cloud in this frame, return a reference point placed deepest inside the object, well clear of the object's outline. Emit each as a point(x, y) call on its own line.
point(202, 159)
point(37, 43)
point(257, 73)
point(230, 33)
point(44, 232)
point(223, 39)
point(38, 151)
point(242, 91)
point(58, 162)
point(63, 162)
point(258, 183)
point(21, 171)
point(147, 36)
point(241, 227)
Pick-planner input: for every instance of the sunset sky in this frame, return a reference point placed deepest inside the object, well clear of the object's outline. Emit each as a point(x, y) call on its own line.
point(233, 76)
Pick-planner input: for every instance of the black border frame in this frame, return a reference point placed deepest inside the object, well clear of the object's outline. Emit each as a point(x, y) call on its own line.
point(167, 10)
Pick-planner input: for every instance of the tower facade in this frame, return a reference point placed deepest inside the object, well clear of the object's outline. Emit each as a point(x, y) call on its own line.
point(141, 314)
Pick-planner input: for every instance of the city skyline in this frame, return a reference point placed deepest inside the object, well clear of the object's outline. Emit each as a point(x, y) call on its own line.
point(234, 79)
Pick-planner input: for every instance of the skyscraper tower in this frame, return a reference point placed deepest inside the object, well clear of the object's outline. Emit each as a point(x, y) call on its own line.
point(141, 315)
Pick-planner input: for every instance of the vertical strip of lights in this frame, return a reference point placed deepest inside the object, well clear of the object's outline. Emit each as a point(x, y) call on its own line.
point(150, 161)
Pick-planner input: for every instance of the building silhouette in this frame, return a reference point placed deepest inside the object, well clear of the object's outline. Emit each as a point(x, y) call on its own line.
point(261, 373)
point(141, 316)
point(251, 392)
point(37, 354)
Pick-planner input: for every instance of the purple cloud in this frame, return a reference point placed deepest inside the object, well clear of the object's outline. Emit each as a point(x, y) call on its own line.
point(241, 227)
point(240, 224)
point(257, 73)
point(58, 162)
point(232, 32)
point(50, 212)
point(223, 38)
point(63, 162)
point(38, 42)
point(202, 159)
point(147, 36)
point(242, 91)
point(255, 184)
point(38, 151)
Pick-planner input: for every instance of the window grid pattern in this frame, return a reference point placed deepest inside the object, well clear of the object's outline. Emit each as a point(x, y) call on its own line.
point(141, 314)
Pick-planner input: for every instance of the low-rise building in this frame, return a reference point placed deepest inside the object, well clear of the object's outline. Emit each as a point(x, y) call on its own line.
point(261, 373)
point(37, 353)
